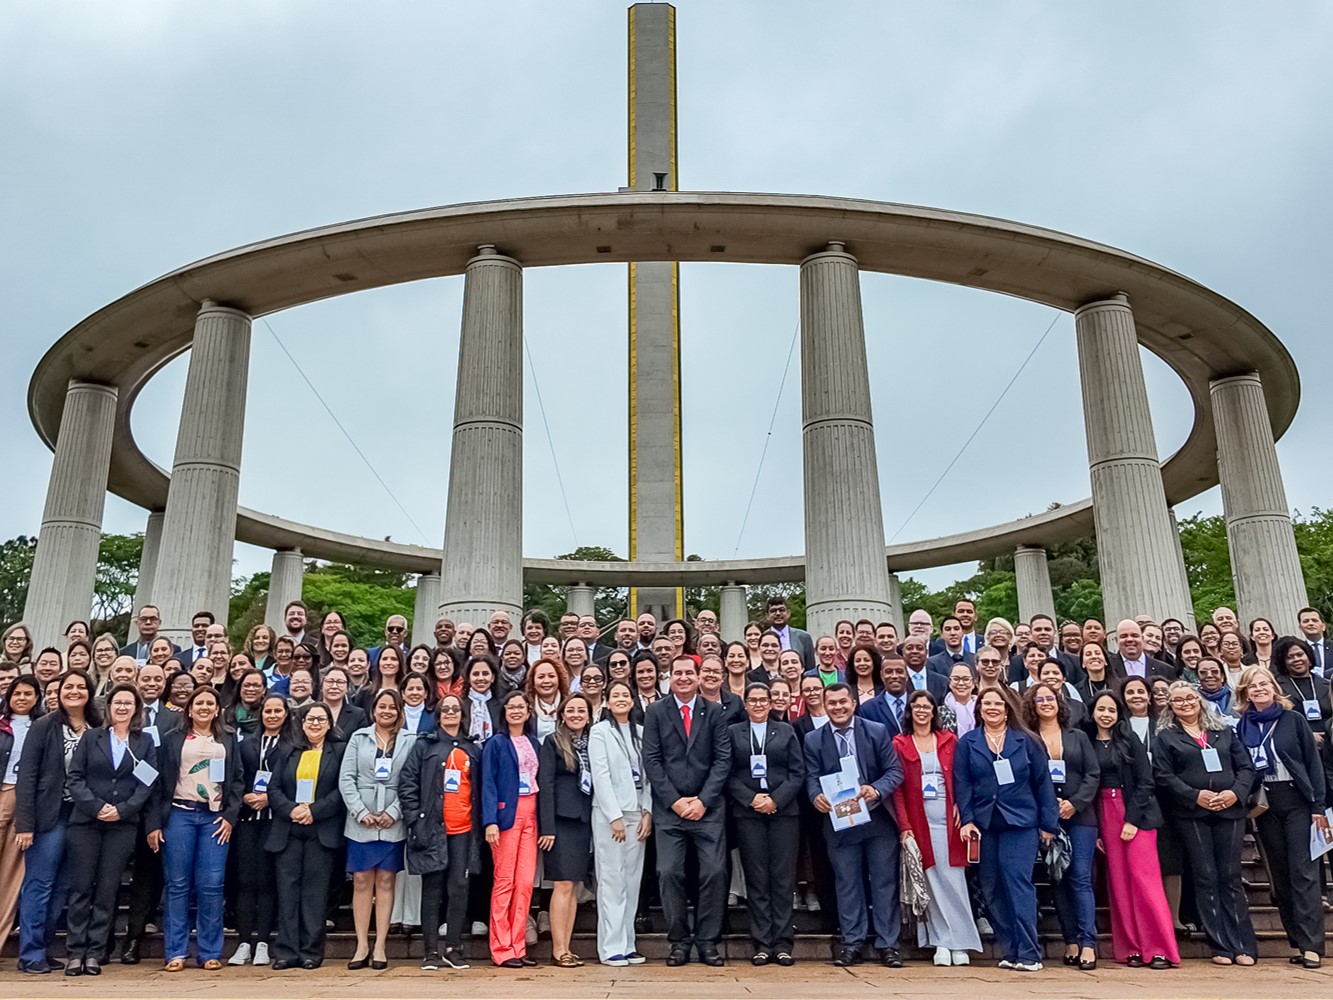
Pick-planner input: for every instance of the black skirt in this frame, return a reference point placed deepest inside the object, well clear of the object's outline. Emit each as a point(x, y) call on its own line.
point(570, 859)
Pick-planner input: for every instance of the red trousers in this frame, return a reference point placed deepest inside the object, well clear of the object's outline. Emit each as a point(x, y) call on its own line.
point(1140, 916)
point(515, 866)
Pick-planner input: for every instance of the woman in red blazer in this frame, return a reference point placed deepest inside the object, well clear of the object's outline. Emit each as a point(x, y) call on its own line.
point(924, 806)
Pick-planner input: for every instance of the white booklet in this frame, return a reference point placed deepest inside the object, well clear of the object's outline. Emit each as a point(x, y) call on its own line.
point(1321, 841)
point(843, 792)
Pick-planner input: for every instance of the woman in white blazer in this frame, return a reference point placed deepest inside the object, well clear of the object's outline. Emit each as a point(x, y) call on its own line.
point(368, 781)
point(622, 819)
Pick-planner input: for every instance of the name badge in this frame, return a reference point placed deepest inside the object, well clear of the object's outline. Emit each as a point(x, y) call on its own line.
point(524, 783)
point(305, 791)
point(453, 779)
point(262, 778)
point(1057, 769)
point(1004, 772)
point(930, 786)
point(217, 769)
point(145, 772)
point(152, 731)
point(1257, 754)
point(758, 765)
point(1312, 710)
point(1211, 761)
point(383, 767)
point(585, 782)
point(634, 773)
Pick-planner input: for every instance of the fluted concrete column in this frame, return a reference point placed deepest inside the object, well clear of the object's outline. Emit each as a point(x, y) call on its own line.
point(199, 531)
point(581, 600)
point(285, 582)
point(482, 567)
point(152, 547)
point(1186, 614)
point(1264, 563)
point(426, 609)
point(1034, 582)
point(733, 612)
point(64, 566)
point(845, 572)
point(1135, 545)
point(896, 604)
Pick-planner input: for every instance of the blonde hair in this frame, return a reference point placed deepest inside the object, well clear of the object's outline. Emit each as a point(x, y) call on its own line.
point(1242, 692)
point(1166, 718)
point(1001, 623)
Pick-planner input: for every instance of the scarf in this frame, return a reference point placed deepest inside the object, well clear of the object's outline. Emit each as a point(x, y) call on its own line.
point(1219, 699)
point(512, 680)
point(1256, 728)
point(580, 745)
point(480, 715)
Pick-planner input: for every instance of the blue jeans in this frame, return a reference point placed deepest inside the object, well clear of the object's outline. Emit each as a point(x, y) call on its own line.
point(42, 895)
point(193, 863)
point(1008, 855)
point(1075, 902)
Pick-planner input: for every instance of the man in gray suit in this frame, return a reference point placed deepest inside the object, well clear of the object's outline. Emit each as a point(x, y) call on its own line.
point(792, 638)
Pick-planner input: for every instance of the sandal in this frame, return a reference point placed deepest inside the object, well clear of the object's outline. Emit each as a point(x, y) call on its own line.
point(568, 961)
point(212, 965)
point(1245, 960)
point(176, 965)
point(1221, 960)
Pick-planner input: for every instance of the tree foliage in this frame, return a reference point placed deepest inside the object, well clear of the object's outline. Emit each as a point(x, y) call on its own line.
point(15, 570)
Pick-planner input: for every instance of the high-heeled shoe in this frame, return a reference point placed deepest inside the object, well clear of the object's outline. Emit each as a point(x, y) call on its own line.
point(357, 964)
point(379, 964)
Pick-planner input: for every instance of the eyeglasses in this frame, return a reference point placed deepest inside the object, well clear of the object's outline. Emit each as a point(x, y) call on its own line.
point(592, 680)
point(316, 721)
point(395, 628)
point(1044, 700)
point(756, 701)
point(450, 709)
point(988, 663)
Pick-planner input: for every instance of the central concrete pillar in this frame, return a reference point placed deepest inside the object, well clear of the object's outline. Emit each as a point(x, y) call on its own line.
point(152, 547)
point(581, 600)
point(285, 583)
point(656, 491)
point(1264, 563)
point(896, 605)
point(199, 530)
point(1135, 544)
point(64, 567)
point(481, 571)
point(1034, 582)
point(846, 575)
point(426, 609)
point(733, 613)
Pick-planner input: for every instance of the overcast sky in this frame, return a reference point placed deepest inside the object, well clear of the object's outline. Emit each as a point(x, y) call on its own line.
point(140, 136)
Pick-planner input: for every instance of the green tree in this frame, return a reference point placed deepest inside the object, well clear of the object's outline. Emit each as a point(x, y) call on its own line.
point(15, 570)
point(118, 558)
point(1203, 540)
point(1314, 542)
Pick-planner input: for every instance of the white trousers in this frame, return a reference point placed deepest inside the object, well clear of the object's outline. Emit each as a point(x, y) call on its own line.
point(619, 868)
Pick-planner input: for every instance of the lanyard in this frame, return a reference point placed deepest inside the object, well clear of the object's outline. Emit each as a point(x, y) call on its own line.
point(757, 745)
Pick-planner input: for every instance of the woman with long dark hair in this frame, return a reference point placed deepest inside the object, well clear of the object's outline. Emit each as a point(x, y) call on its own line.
point(509, 812)
point(564, 819)
point(42, 808)
point(21, 707)
point(242, 715)
point(261, 757)
point(111, 777)
point(483, 716)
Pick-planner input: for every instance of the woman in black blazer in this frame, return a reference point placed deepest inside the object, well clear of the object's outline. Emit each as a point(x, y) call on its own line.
point(111, 777)
point(767, 774)
point(345, 718)
point(1293, 665)
point(1290, 771)
point(42, 808)
point(306, 832)
point(1076, 776)
point(564, 819)
point(262, 755)
point(1209, 775)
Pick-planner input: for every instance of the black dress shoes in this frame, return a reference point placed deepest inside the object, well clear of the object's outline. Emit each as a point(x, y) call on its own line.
point(679, 956)
point(310, 965)
point(890, 959)
point(710, 957)
point(785, 959)
point(92, 967)
point(512, 963)
point(847, 957)
point(130, 954)
point(74, 968)
point(281, 965)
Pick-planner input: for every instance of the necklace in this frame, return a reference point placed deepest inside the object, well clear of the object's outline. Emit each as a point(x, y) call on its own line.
point(991, 741)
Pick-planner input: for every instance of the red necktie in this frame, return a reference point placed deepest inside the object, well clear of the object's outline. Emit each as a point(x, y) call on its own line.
point(685, 719)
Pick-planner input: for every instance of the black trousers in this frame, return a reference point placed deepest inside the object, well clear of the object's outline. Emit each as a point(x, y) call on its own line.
point(145, 887)
point(96, 854)
point(674, 835)
point(768, 846)
point(1284, 831)
point(303, 868)
point(452, 883)
point(256, 877)
point(1213, 845)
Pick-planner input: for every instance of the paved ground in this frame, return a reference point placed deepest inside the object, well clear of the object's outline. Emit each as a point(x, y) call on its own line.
point(1270, 980)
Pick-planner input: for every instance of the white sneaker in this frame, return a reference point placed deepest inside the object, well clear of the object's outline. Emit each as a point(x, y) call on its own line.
point(961, 958)
point(942, 957)
point(530, 936)
point(241, 955)
point(543, 922)
point(984, 927)
point(443, 929)
point(261, 953)
point(478, 929)
point(812, 900)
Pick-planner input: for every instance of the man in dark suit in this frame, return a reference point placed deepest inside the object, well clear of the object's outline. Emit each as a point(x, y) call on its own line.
point(966, 613)
point(791, 637)
point(1312, 628)
point(887, 708)
point(148, 621)
point(395, 634)
point(591, 636)
point(1131, 660)
point(919, 675)
point(198, 648)
point(687, 757)
point(1042, 633)
point(954, 651)
point(866, 853)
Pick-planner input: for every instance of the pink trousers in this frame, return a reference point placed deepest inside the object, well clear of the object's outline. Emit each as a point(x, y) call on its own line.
point(1140, 917)
point(515, 867)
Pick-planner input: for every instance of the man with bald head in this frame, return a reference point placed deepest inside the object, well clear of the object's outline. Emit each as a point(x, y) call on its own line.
point(1132, 660)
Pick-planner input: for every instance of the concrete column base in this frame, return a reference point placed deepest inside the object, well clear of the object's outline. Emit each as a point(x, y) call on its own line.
point(1034, 583)
point(733, 613)
point(426, 609)
point(581, 600)
point(285, 583)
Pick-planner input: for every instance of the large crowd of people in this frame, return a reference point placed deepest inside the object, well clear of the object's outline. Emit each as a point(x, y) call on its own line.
point(490, 783)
